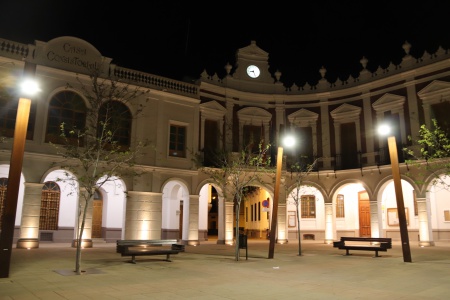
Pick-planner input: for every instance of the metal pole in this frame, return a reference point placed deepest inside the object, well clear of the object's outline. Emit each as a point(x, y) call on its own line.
point(399, 197)
point(273, 228)
point(12, 193)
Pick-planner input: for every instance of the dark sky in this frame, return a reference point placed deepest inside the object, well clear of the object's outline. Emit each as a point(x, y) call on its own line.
point(182, 38)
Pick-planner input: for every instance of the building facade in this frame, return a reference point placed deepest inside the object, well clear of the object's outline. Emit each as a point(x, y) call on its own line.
point(349, 193)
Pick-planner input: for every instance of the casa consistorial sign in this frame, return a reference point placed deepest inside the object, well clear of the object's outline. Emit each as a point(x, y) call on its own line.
point(71, 54)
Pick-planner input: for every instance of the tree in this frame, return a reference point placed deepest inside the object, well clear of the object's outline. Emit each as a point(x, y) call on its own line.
point(299, 171)
point(235, 174)
point(101, 150)
point(434, 150)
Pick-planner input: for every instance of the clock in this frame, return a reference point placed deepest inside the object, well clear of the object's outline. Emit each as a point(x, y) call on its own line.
point(253, 71)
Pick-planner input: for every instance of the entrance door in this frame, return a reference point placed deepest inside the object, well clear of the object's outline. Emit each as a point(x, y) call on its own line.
point(364, 214)
point(97, 216)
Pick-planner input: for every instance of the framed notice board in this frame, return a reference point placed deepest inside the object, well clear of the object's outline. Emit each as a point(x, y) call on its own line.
point(392, 217)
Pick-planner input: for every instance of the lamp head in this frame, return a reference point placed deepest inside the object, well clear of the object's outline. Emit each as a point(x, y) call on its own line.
point(288, 141)
point(29, 87)
point(384, 129)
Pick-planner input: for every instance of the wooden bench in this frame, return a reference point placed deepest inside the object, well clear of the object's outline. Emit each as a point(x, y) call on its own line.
point(135, 248)
point(363, 243)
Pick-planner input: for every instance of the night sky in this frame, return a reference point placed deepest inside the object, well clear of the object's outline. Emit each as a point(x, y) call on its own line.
point(176, 39)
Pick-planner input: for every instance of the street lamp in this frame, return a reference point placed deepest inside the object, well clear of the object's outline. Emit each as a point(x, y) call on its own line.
point(288, 141)
point(393, 153)
point(28, 89)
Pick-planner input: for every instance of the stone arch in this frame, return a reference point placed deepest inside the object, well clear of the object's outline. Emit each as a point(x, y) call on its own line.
point(341, 183)
point(177, 209)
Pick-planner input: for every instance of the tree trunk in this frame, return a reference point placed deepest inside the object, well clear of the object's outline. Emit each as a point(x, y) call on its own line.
point(237, 232)
point(80, 238)
point(298, 233)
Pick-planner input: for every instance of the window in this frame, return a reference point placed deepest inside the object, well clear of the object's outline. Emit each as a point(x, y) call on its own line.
point(253, 136)
point(259, 211)
point(117, 117)
point(177, 141)
point(50, 196)
point(3, 188)
point(246, 214)
point(211, 143)
point(340, 212)
point(308, 206)
point(446, 215)
point(65, 107)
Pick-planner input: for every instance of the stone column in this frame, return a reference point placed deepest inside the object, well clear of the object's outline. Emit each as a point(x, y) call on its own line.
point(29, 226)
point(143, 220)
point(375, 222)
point(413, 107)
point(241, 134)
point(221, 221)
point(330, 229)
point(280, 118)
point(221, 123)
point(193, 220)
point(202, 133)
point(229, 125)
point(403, 126)
point(369, 129)
point(229, 223)
point(358, 134)
point(326, 140)
point(425, 233)
point(314, 137)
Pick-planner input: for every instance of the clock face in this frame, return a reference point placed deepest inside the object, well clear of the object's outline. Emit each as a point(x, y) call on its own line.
point(253, 71)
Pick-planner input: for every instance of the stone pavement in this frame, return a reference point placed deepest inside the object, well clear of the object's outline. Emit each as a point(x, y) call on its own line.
point(210, 271)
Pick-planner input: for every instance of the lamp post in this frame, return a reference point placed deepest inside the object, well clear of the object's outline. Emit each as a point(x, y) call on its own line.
point(289, 142)
point(15, 169)
point(393, 153)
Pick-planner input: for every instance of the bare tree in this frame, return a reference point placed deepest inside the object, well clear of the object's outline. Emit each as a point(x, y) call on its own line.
point(299, 171)
point(235, 173)
point(97, 152)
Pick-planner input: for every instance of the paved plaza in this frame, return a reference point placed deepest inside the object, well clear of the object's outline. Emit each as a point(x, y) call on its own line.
point(209, 271)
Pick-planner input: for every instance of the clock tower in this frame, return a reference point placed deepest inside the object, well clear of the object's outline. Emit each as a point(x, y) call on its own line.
point(252, 64)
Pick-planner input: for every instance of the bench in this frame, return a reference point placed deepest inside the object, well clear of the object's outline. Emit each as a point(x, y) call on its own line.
point(135, 248)
point(363, 243)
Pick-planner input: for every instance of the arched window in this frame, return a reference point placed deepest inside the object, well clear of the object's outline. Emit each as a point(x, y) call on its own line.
point(3, 188)
point(65, 107)
point(117, 118)
point(50, 198)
